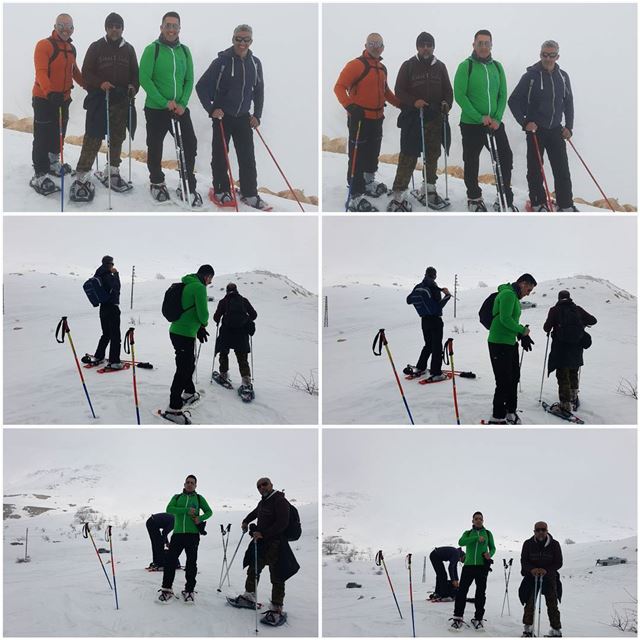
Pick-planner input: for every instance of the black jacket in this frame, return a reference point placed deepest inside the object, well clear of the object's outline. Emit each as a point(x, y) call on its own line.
point(237, 316)
point(427, 298)
point(110, 283)
point(535, 555)
point(450, 555)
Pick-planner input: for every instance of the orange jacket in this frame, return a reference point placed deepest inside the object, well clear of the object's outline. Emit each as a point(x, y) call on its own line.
point(371, 92)
point(63, 71)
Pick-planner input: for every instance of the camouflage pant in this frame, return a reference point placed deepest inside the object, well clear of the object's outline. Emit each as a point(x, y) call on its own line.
point(243, 363)
point(268, 558)
point(567, 380)
point(551, 598)
point(118, 115)
point(407, 163)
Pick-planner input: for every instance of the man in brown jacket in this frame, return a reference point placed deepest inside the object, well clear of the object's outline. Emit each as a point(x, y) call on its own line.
point(422, 86)
point(109, 68)
point(363, 91)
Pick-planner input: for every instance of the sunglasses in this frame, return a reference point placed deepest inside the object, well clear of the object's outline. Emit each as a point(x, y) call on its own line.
point(375, 45)
point(539, 530)
point(239, 39)
point(263, 484)
point(552, 56)
point(64, 27)
point(172, 27)
point(114, 25)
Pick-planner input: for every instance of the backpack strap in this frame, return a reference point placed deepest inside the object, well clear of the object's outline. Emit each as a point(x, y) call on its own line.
point(56, 51)
point(363, 75)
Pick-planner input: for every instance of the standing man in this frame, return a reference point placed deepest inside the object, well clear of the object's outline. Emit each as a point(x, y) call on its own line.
point(159, 526)
point(363, 91)
point(479, 549)
point(567, 321)
point(110, 67)
point(226, 90)
point(538, 103)
point(422, 85)
point(183, 332)
point(166, 74)
point(480, 88)
point(504, 334)
point(446, 588)
point(190, 510)
point(273, 550)
point(109, 317)
point(55, 71)
point(541, 557)
point(237, 316)
point(427, 298)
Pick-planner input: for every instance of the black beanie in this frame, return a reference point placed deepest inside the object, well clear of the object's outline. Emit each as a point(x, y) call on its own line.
point(107, 260)
point(425, 38)
point(206, 270)
point(564, 295)
point(113, 18)
point(430, 272)
point(232, 286)
point(527, 277)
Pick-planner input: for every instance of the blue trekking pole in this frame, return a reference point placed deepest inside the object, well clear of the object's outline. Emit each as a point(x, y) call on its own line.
point(413, 621)
point(107, 537)
point(380, 562)
point(86, 533)
point(353, 166)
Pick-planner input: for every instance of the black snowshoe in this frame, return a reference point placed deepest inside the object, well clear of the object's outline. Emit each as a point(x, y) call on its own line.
point(375, 189)
point(399, 205)
point(159, 192)
point(240, 602)
point(118, 183)
point(556, 410)
point(274, 618)
point(187, 596)
point(43, 185)
point(216, 376)
point(82, 191)
point(246, 392)
point(360, 204)
point(476, 205)
point(196, 197)
point(431, 199)
point(177, 417)
point(166, 596)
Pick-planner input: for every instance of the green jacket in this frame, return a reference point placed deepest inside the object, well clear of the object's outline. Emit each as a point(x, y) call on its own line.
point(179, 506)
point(167, 77)
point(196, 309)
point(483, 92)
point(474, 548)
point(505, 325)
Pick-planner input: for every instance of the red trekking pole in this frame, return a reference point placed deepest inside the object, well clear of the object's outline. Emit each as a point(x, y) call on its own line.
point(544, 177)
point(379, 562)
point(129, 347)
point(65, 331)
point(353, 166)
point(226, 157)
point(448, 352)
point(591, 174)
point(293, 193)
point(86, 533)
point(107, 537)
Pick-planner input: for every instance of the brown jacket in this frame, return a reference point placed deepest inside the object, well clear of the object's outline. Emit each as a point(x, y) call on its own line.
point(426, 80)
point(109, 61)
point(552, 318)
point(57, 76)
point(273, 515)
point(371, 92)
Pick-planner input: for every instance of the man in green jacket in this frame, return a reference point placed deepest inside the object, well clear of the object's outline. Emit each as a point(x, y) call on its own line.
point(183, 333)
point(477, 563)
point(190, 510)
point(480, 88)
point(166, 75)
point(504, 334)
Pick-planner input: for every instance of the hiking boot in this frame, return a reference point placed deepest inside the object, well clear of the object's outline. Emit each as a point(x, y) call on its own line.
point(554, 633)
point(257, 203)
point(527, 632)
point(196, 198)
point(477, 624)
point(575, 401)
point(456, 623)
point(437, 377)
point(57, 169)
point(82, 190)
point(360, 204)
point(177, 416)
point(166, 595)
point(410, 370)
point(568, 209)
point(434, 201)
point(476, 204)
point(274, 618)
point(494, 420)
point(399, 204)
point(223, 199)
point(187, 596)
point(189, 399)
point(513, 418)
point(116, 366)
point(540, 207)
point(159, 192)
point(372, 187)
point(565, 406)
point(154, 567)
point(43, 184)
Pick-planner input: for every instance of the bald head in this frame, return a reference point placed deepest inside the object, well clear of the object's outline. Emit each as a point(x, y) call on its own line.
point(374, 45)
point(64, 26)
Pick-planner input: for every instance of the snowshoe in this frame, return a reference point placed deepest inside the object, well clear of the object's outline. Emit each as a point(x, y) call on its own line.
point(556, 410)
point(441, 377)
point(399, 205)
point(360, 204)
point(554, 633)
point(81, 191)
point(274, 618)
point(166, 596)
point(56, 169)
point(457, 624)
point(90, 361)
point(513, 418)
point(510, 207)
point(477, 624)
point(112, 367)
point(178, 417)
point(242, 602)
point(373, 188)
point(221, 379)
point(224, 199)
point(159, 192)
point(44, 185)
point(493, 420)
point(190, 399)
point(568, 209)
point(154, 567)
point(412, 372)
point(256, 202)
point(538, 208)
point(527, 634)
point(118, 183)
point(476, 205)
point(187, 596)
point(196, 198)
point(432, 199)
point(246, 392)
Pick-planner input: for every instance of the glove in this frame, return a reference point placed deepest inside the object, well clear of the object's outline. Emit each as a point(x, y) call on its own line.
point(56, 98)
point(131, 92)
point(526, 342)
point(203, 334)
point(445, 108)
point(356, 112)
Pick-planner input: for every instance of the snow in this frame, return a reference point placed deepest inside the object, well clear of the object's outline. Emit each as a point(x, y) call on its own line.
point(284, 346)
point(358, 309)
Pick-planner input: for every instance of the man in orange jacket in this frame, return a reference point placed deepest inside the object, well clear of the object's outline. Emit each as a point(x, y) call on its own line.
point(56, 69)
point(363, 91)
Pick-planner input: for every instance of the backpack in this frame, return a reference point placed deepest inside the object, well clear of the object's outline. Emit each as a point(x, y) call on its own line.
point(235, 315)
point(172, 303)
point(486, 311)
point(56, 51)
point(423, 301)
point(568, 327)
point(294, 528)
point(365, 72)
point(95, 291)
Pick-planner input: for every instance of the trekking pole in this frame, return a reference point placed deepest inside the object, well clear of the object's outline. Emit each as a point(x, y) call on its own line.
point(129, 128)
point(497, 171)
point(591, 174)
point(507, 576)
point(232, 559)
point(86, 533)
point(213, 362)
point(293, 193)
point(107, 537)
point(108, 149)
point(540, 163)
point(353, 165)
point(61, 159)
point(380, 562)
point(255, 568)
point(182, 169)
point(129, 347)
point(225, 543)
point(232, 186)
point(448, 359)
point(413, 622)
point(379, 341)
point(65, 331)
point(544, 367)
point(424, 155)
point(226, 546)
point(445, 122)
point(251, 347)
point(540, 579)
point(520, 372)
point(196, 362)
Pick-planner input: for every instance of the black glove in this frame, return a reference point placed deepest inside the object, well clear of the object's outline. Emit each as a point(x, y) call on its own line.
point(356, 112)
point(203, 334)
point(526, 342)
point(445, 108)
point(131, 92)
point(56, 98)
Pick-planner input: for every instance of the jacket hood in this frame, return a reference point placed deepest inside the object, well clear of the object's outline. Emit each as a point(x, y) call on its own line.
point(190, 278)
point(548, 541)
point(536, 67)
point(229, 53)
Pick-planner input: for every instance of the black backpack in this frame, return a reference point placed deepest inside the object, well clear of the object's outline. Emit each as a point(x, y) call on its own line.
point(172, 302)
point(486, 311)
point(56, 51)
point(95, 291)
point(568, 327)
point(235, 315)
point(294, 528)
point(365, 72)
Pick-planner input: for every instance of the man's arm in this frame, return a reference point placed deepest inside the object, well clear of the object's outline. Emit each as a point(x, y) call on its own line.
point(517, 101)
point(460, 88)
point(202, 306)
point(187, 86)
point(347, 77)
point(401, 88)
point(568, 105)
point(502, 93)
point(41, 55)
point(250, 517)
point(146, 72)
point(258, 93)
point(134, 70)
point(205, 508)
point(505, 313)
point(89, 71)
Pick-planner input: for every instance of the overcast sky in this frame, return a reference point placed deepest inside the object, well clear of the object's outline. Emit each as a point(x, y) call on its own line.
point(172, 245)
point(496, 249)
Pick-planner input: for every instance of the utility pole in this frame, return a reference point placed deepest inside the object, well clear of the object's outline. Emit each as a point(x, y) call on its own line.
point(133, 275)
point(455, 294)
point(326, 311)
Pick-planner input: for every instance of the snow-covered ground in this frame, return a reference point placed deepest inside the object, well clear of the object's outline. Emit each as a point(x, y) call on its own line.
point(358, 309)
point(284, 348)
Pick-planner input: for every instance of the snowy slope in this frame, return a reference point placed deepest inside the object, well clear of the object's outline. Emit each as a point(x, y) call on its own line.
point(62, 590)
point(334, 194)
point(358, 310)
point(285, 344)
point(18, 196)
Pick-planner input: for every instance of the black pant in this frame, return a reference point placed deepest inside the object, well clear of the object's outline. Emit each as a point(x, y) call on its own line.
point(157, 535)
point(443, 586)
point(432, 328)
point(369, 142)
point(158, 124)
point(189, 543)
point(506, 369)
point(552, 141)
point(238, 128)
point(110, 323)
point(474, 138)
point(470, 573)
point(185, 366)
point(46, 132)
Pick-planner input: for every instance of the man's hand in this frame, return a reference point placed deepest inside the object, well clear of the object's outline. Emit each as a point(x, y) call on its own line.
point(486, 555)
point(538, 572)
point(105, 86)
point(203, 334)
point(192, 511)
point(566, 133)
point(531, 127)
point(179, 109)
point(526, 342)
point(444, 107)
point(455, 583)
point(486, 121)
point(196, 520)
point(254, 122)
point(56, 98)
point(446, 291)
point(419, 103)
point(244, 526)
point(495, 125)
point(217, 113)
point(172, 105)
point(257, 535)
point(480, 538)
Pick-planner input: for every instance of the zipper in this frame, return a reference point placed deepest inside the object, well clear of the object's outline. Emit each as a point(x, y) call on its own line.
point(553, 89)
point(184, 515)
point(242, 92)
point(486, 70)
point(175, 85)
